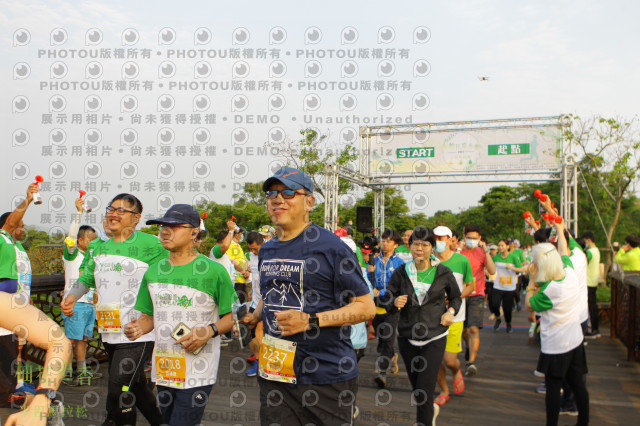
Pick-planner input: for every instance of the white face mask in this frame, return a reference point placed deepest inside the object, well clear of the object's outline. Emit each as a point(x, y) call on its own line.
point(441, 246)
point(471, 243)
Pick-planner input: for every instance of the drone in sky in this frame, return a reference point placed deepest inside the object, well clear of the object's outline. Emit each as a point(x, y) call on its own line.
point(483, 78)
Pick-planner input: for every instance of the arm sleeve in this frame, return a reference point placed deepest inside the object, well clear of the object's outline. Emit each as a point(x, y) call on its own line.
point(78, 289)
point(144, 303)
point(540, 302)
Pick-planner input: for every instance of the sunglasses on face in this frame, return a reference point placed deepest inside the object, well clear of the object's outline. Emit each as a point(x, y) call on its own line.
point(287, 194)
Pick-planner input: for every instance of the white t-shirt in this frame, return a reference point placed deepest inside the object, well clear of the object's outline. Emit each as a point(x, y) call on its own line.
point(560, 330)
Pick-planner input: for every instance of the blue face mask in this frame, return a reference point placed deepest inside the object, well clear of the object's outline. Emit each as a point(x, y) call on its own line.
point(441, 246)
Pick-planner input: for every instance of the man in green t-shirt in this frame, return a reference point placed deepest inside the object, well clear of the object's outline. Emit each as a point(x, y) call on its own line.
point(461, 269)
point(404, 251)
point(115, 271)
point(187, 300)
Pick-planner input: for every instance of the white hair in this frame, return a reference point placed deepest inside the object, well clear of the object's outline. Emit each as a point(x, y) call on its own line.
point(548, 262)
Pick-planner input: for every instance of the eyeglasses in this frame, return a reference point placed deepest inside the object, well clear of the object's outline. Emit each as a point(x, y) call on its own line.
point(287, 194)
point(423, 244)
point(119, 211)
point(170, 226)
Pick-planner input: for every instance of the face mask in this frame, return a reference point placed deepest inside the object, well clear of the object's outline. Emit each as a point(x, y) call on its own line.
point(441, 246)
point(471, 243)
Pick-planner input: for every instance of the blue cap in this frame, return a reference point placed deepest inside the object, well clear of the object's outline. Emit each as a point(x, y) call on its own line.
point(177, 215)
point(290, 177)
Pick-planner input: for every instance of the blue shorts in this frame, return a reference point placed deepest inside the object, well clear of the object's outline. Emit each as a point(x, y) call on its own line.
point(183, 407)
point(81, 324)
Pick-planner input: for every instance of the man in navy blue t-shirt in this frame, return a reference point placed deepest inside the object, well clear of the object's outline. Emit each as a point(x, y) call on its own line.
point(312, 290)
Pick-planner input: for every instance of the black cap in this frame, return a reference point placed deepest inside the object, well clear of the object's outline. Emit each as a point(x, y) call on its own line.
point(178, 214)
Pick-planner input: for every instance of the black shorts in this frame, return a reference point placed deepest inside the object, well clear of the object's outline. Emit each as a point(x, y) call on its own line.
point(475, 312)
point(285, 404)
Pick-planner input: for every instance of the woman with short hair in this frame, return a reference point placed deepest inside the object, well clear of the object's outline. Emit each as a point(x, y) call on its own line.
point(420, 290)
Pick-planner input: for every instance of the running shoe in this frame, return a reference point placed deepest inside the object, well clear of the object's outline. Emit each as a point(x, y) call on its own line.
point(251, 358)
point(509, 328)
point(496, 326)
point(472, 370)
point(542, 389)
point(569, 411)
point(356, 412)
point(147, 366)
point(593, 335)
point(253, 370)
point(381, 381)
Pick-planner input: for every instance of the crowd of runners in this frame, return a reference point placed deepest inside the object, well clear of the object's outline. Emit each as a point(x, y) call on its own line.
point(303, 301)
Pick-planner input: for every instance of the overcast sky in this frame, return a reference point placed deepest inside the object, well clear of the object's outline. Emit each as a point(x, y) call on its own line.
point(322, 61)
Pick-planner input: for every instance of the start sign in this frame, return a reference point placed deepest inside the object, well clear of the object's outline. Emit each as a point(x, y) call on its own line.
point(422, 152)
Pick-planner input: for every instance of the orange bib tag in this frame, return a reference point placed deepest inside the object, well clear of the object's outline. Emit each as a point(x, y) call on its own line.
point(171, 367)
point(505, 280)
point(276, 359)
point(108, 318)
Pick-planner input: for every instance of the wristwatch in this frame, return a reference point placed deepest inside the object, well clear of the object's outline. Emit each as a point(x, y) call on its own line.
point(450, 311)
point(314, 322)
point(215, 330)
point(50, 393)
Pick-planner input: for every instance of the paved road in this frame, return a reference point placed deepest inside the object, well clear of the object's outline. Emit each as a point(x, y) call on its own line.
point(503, 392)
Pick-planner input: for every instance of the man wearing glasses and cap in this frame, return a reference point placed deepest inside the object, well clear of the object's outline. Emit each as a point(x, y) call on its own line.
point(311, 286)
point(187, 299)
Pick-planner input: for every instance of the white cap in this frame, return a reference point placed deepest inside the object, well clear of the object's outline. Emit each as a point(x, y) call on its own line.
point(441, 231)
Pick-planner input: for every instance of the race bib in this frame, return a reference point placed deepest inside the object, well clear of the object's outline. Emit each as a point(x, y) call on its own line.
point(276, 359)
point(506, 280)
point(171, 367)
point(108, 318)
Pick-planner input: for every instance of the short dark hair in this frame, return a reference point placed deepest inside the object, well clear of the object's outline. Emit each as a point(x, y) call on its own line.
point(422, 233)
point(454, 233)
point(130, 199)
point(82, 232)
point(3, 218)
point(254, 237)
point(632, 240)
point(221, 236)
point(505, 240)
point(472, 227)
point(542, 235)
point(391, 234)
point(589, 235)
